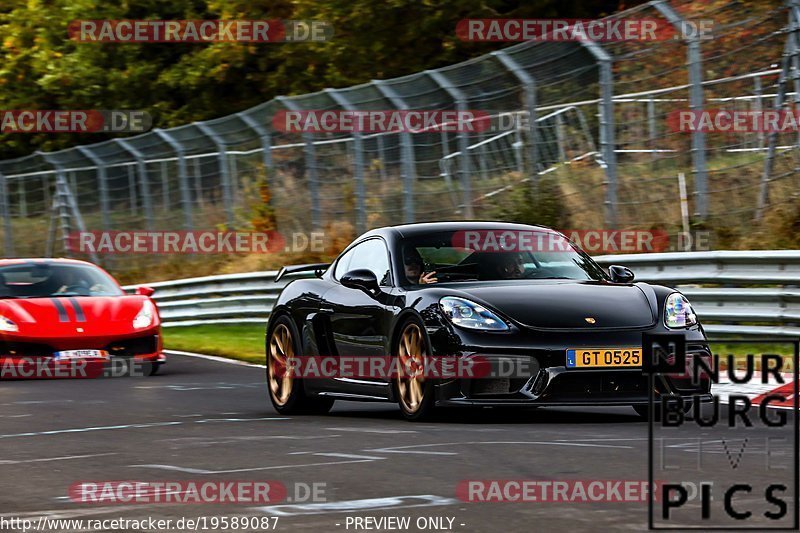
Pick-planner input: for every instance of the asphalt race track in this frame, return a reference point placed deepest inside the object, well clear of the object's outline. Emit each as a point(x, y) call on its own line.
point(209, 420)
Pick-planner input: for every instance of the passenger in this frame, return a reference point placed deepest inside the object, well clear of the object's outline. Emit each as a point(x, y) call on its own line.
point(414, 268)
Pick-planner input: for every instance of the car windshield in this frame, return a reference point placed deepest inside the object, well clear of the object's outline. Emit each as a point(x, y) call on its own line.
point(495, 255)
point(44, 280)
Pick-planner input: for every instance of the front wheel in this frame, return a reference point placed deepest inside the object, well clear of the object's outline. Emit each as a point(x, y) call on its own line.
point(414, 392)
point(286, 391)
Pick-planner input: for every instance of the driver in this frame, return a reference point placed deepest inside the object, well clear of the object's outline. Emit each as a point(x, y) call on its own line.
point(413, 264)
point(72, 281)
point(510, 266)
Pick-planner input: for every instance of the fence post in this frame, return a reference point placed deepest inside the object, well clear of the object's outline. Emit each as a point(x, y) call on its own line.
point(102, 183)
point(608, 143)
point(530, 102)
point(144, 185)
point(694, 60)
point(381, 156)
point(311, 166)
point(266, 146)
point(23, 201)
point(358, 163)
point(224, 171)
point(68, 201)
point(652, 131)
point(8, 232)
point(183, 180)
point(407, 158)
point(463, 141)
point(757, 106)
point(789, 50)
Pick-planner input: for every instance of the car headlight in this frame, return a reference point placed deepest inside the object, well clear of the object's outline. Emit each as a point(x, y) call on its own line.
point(678, 312)
point(470, 315)
point(146, 316)
point(8, 325)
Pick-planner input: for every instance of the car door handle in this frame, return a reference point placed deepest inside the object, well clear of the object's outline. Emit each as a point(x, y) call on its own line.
point(326, 310)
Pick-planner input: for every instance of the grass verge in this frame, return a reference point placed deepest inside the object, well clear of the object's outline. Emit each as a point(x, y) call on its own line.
point(244, 342)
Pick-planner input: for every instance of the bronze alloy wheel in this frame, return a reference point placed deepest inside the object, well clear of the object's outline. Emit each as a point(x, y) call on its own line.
point(410, 364)
point(281, 350)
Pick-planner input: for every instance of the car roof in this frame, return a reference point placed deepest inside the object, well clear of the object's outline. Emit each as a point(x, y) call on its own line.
point(411, 230)
point(43, 260)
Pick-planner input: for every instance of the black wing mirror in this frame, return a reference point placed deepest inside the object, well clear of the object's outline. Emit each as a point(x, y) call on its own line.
point(620, 274)
point(363, 279)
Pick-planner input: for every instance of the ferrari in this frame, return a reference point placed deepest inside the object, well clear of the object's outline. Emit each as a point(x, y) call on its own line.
point(519, 297)
point(58, 313)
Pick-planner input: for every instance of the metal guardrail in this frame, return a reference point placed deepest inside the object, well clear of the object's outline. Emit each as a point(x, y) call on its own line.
point(756, 293)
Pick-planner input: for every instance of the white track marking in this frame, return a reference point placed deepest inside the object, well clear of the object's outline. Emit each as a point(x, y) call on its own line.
point(200, 471)
point(213, 358)
point(349, 456)
point(49, 459)
point(370, 504)
point(134, 426)
point(56, 514)
point(411, 449)
point(368, 430)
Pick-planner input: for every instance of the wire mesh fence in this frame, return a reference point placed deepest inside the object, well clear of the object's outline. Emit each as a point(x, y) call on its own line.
point(586, 124)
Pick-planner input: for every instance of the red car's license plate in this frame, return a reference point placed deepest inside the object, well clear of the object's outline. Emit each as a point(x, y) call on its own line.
point(81, 354)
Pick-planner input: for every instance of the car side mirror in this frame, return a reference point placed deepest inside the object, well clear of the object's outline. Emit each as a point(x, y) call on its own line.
point(363, 279)
point(620, 274)
point(145, 291)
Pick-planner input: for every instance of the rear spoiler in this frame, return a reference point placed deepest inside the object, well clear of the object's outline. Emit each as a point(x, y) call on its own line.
point(318, 269)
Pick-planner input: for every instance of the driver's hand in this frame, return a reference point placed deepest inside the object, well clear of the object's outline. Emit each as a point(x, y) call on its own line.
point(430, 277)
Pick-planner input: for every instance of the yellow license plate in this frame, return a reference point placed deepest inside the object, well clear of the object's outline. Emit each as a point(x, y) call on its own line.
point(604, 357)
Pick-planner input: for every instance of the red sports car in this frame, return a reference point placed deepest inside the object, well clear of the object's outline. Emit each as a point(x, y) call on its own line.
point(59, 316)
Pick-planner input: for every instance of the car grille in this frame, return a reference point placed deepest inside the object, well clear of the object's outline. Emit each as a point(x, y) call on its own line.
point(131, 347)
point(25, 349)
point(598, 384)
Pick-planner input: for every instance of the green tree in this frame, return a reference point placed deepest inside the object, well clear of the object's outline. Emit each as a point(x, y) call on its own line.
point(179, 83)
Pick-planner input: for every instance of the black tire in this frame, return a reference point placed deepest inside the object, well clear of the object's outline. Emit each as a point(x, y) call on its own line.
point(153, 369)
point(285, 392)
point(407, 391)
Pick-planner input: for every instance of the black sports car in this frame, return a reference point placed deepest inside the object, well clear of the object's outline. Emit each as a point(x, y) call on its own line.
point(553, 327)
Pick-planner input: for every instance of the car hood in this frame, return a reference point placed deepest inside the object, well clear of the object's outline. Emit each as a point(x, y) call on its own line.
point(64, 316)
point(567, 304)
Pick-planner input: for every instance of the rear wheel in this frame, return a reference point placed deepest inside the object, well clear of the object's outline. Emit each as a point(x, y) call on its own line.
point(286, 391)
point(414, 392)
